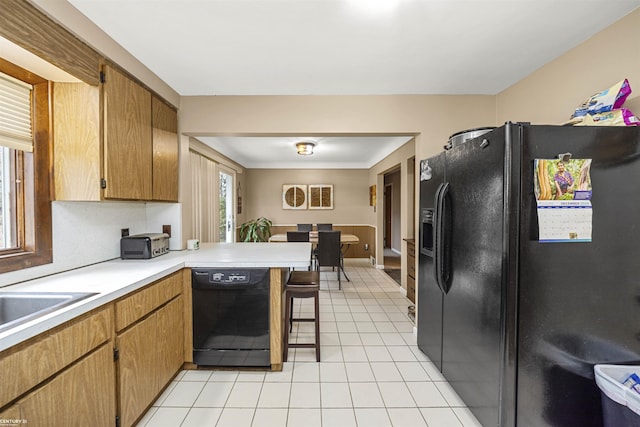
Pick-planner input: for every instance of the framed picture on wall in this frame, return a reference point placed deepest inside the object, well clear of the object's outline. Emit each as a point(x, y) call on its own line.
point(294, 196)
point(321, 196)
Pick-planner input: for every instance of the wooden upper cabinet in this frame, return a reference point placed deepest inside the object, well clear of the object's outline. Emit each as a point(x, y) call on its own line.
point(165, 151)
point(118, 132)
point(127, 138)
point(76, 136)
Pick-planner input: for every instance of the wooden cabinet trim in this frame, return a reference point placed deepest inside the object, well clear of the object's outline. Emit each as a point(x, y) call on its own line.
point(276, 318)
point(187, 313)
point(50, 41)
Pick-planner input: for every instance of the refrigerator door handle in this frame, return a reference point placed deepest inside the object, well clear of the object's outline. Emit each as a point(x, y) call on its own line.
point(436, 237)
point(442, 244)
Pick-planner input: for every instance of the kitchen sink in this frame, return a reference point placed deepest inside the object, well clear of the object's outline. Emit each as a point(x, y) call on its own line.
point(20, 307)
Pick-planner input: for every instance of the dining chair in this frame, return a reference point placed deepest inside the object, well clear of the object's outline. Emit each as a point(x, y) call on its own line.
point(300, 236)
point(297, 236)
point(329, 254)
point(324, 227)
point(305, 227)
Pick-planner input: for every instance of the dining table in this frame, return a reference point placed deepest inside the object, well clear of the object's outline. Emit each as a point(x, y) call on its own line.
point(345, 239)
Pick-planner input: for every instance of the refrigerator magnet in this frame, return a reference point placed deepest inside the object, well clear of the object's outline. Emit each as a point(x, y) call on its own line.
point(425, 170)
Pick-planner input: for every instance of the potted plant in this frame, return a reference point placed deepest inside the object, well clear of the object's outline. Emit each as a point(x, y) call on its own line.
point(256, 230)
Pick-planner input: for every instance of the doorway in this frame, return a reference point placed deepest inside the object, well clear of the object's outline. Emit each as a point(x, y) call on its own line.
point(391, 212)
point(388, 215)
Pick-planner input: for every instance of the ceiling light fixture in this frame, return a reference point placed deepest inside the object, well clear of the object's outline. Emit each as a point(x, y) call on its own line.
point(305, 148)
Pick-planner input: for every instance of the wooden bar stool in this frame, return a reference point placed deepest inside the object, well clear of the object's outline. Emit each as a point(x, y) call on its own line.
point(302, 284)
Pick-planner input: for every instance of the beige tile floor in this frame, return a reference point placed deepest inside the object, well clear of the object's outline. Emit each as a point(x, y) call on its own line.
point(371, 374)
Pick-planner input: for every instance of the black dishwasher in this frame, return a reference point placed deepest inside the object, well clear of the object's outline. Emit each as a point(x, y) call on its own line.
point(230, 316)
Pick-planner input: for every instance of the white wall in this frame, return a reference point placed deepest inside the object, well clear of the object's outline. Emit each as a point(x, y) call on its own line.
point(551, 94)
point(350, 195)
point(86, 233)
point(399, 158)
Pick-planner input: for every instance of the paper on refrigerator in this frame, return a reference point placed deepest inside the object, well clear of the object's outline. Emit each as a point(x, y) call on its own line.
point(563, 196)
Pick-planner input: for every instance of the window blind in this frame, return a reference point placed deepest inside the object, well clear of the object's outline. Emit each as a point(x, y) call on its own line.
point(204, 198)
point(15, 114)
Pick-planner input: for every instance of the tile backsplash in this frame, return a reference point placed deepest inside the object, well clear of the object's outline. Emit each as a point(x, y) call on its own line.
point(86, 233)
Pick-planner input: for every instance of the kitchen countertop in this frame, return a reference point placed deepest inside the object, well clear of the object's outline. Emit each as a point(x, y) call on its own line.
point(113, 279)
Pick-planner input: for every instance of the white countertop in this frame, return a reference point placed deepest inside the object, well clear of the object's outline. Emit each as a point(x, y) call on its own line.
point(250, 255)
point(113, 279)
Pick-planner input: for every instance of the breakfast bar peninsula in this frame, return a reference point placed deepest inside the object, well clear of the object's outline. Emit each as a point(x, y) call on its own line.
point(235, 317)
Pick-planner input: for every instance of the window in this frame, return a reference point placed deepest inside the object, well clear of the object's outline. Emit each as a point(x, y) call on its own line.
point(212, 196)
point(226, 206)
point(25, 169)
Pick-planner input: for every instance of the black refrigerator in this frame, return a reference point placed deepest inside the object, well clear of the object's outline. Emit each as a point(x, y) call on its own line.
point(514, 323)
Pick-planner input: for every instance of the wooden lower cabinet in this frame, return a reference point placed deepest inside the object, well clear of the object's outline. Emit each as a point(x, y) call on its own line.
point(149, 354)
point(28, 365)
point(82, 395)
point(67, 376)
point(411, 270)
point(136, 369)
point(11, 417)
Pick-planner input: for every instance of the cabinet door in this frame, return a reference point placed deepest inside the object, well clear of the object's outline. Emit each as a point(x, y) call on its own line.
point(76, 136)
point(411, 289)
point(127, 166)
point(138, 385)
point(80, 396)
point(24, 367)
point(165, 151)
point(11, 417)
point(136, 306)
point(170, 341)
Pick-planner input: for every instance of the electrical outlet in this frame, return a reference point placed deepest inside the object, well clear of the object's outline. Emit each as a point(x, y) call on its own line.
point(166, 229)
point(366, 246)
point(124, 232)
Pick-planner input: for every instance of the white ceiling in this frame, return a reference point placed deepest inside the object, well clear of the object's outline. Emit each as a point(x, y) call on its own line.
point(332, 152)
point(337, 47)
